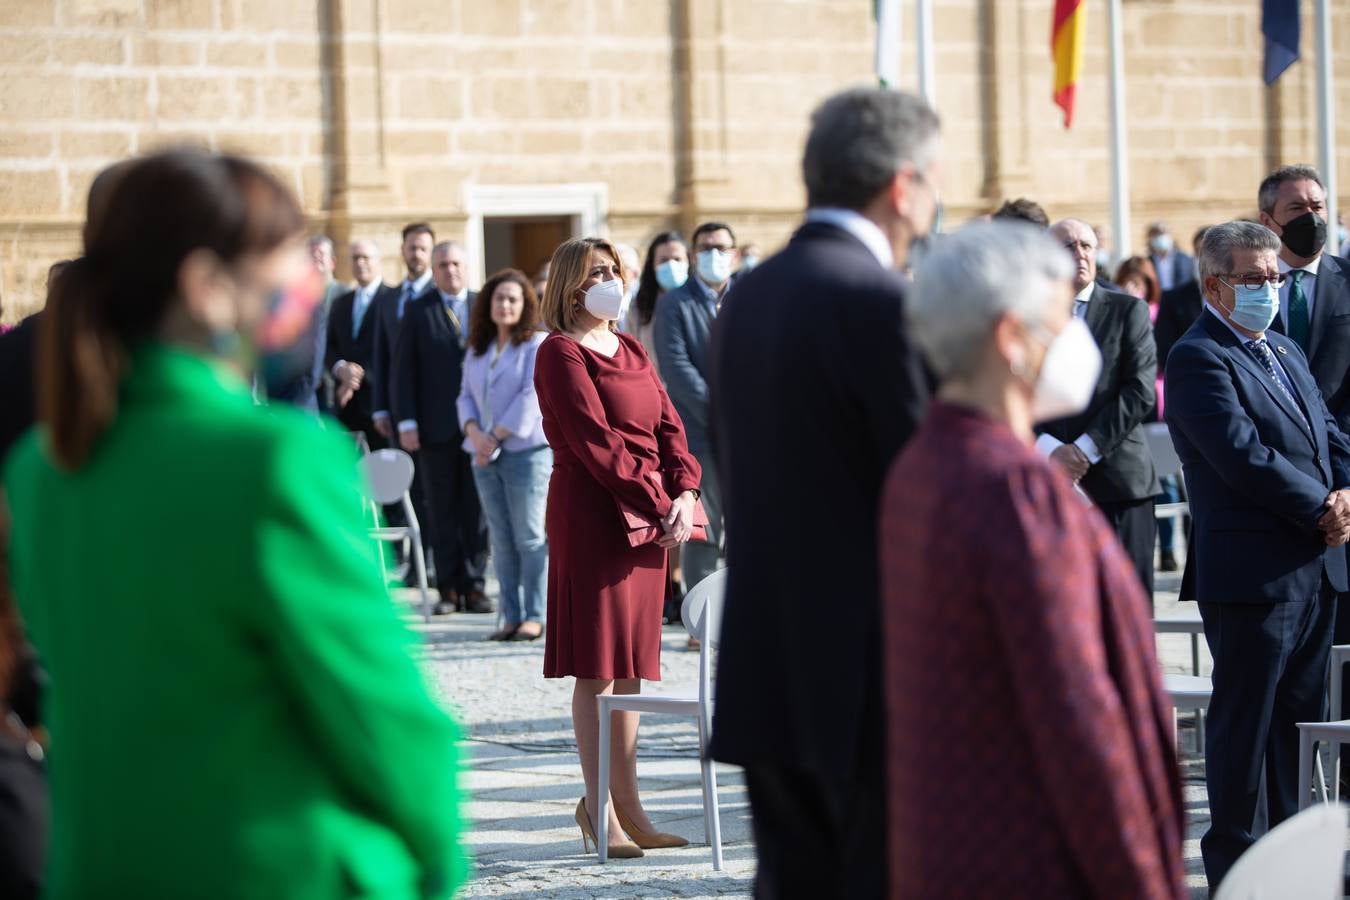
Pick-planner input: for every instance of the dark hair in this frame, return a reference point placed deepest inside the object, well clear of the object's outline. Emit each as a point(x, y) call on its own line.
point(1269, 190)
point(483, 331)
point(709, 228)
point(1141, 266)
point(418, 228)
point(859, 140)
point(1198, 237)
point(1023, 210)
point(649, 290)
point(158, 210)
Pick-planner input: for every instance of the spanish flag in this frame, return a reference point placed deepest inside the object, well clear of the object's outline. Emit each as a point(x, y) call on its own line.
point(1066, 43)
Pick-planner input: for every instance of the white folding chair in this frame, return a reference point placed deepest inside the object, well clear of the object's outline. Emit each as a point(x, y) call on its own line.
point(388, 475)
point(1302, 858)
point(1188, 692)
point(1340, 655)
point(702, 615)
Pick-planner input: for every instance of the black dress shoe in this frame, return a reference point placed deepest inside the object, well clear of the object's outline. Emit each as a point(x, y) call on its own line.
point(477, 602)
point(1168, 563)
point(449, 602)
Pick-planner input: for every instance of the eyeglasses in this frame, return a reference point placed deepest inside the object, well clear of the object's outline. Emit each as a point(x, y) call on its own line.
point(1079, 247)
point(1252, 282)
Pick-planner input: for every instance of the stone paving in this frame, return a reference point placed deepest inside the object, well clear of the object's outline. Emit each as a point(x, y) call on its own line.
point(522, 779)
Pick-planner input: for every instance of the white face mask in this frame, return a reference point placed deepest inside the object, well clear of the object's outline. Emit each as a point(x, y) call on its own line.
point(606, 300)
point(714, 266)
point(1068, 374)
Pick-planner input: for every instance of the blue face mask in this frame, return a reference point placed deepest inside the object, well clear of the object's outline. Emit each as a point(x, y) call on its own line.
point(672, 274)
point(1254, 308)
point(714, 266)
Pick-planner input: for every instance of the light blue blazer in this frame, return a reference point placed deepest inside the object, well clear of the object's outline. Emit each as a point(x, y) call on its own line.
point(504, 394)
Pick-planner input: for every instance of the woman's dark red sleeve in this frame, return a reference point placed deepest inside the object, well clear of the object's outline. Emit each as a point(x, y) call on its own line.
point(566, 390)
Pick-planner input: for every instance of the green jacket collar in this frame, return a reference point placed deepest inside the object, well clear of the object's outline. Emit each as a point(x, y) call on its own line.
point(162, 371)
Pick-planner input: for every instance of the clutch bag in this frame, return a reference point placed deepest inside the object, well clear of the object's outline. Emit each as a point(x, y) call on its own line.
point(642, 529)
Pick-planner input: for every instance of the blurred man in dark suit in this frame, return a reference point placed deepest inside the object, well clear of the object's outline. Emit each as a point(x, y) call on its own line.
point(350, 345)
point(427, 372)
point(1315, 299)
point(815, 387)
point(1103, 448)
point(1179, 308)
point(418, 239)
point(1266, 471)
point(1172, 265)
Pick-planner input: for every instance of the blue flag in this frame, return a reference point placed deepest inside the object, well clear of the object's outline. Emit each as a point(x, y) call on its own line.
point(1279, 23)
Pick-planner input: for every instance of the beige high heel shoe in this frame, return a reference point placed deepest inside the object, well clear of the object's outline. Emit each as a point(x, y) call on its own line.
point(623, 850)
point(655, 840)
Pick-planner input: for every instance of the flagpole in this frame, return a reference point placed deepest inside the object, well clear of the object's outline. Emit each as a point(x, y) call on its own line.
point(923, 27)
point(1120, 163)
point(888, 42)
point(1326, 120)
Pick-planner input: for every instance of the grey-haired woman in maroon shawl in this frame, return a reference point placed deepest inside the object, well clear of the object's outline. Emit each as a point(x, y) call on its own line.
point(1028, 737)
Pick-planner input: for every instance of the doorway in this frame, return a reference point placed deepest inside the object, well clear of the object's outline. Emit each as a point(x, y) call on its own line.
point(521, 225)
point(523, 242)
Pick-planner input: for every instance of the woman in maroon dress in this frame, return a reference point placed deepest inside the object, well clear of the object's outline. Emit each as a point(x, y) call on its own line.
point(612, 428)
point(1028, 739)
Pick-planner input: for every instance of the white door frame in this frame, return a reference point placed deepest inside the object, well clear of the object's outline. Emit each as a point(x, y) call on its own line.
point(587, 203)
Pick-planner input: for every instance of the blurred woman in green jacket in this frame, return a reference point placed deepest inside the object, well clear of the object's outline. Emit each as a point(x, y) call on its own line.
point(233, 711)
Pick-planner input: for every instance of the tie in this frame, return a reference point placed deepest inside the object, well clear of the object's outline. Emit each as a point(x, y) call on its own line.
point(359, 306)
point(1079, 309)
point(1298, 310)
point(1261, 349)
point(450, 314)
point(404, 297)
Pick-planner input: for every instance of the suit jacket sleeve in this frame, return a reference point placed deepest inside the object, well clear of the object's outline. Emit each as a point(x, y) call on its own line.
point(1042, 563)
point(565, 387)
point(403, 369)
point(889, 380)
point(344, 659)
point(1138, 395)
point(1203, 405)
point(332, 346)
point(522, 413)
point(686, 385)
point(379, 362)
point(1337, 442)
point(465, 405)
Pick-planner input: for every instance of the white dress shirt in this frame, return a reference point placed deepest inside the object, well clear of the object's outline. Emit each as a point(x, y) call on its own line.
point(1045, 443)
point(1309, 286)
point(858, 225)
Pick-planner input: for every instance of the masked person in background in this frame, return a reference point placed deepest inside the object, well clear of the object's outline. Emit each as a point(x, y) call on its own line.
point(987, 549)
point(1267, 473)
point(1315, 299)
point(617, 443)
point(255, 674)
point(665, 269)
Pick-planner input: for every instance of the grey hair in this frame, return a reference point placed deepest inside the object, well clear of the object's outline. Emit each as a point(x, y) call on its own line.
point(859, 139)
point(320, 240)
point(1216, 249)
point(972, 278)
point(1270, 185)
point(445, 247)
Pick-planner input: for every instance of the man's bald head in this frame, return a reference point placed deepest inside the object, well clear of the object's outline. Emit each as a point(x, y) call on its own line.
point(365, 262)
point(1078, 238)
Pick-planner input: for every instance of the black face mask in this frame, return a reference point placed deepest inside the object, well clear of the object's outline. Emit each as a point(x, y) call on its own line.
point(1305, 235)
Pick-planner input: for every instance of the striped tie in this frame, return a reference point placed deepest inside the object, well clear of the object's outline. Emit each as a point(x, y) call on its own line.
point(1261, 349)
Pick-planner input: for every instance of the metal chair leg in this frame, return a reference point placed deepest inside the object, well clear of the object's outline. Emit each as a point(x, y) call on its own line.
point(602, 788)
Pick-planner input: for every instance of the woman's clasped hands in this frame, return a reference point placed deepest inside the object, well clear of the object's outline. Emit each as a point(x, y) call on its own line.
point(679, 522)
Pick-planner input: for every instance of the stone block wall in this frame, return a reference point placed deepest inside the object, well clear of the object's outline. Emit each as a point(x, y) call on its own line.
point(378, 112)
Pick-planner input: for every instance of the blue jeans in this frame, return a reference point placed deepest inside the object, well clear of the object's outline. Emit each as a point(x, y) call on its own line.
point(514, 491)
point(1171, 493)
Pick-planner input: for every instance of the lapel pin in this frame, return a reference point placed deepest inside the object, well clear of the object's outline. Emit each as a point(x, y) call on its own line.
point(1281, 349)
